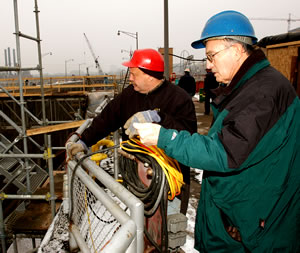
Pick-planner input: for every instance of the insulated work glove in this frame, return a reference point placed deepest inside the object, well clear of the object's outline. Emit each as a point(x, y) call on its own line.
point(73, 148)
point(148, 133)
point(140, 117)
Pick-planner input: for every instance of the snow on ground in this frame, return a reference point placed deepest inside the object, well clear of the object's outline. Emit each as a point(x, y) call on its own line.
point(24, 245)
point(188, 247)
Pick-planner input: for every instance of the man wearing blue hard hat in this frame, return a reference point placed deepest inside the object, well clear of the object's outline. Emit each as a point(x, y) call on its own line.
point(250, 196)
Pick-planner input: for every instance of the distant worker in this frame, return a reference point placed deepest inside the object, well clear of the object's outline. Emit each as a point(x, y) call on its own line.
point(188, 83)
point(250, 194)
point(150, 98)
point(210, 83)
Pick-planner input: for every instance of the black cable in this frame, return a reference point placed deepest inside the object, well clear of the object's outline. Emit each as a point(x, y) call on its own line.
point(164, 227)
point(104, 221)
point(163, 209)
point(180, 57)
point(152, 241)
point(129, 171)
point(74, 171)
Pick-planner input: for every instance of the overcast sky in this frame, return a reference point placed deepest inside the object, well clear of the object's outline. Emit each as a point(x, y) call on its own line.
point(63, 22)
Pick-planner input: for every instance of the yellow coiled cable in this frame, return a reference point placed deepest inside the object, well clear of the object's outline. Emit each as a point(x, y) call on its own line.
point(170, 166)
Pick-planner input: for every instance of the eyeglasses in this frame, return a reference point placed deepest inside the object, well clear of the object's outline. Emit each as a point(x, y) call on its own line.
point(211, 57)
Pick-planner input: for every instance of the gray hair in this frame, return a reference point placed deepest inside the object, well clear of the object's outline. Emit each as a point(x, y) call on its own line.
point(247, 47)
point(246, 42)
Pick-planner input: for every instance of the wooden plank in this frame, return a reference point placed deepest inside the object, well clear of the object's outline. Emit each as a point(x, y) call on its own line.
point(286, 44)
point(35, 219)
point(54, 128)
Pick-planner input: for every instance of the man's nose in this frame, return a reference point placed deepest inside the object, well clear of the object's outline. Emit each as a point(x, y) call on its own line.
point(209, 65)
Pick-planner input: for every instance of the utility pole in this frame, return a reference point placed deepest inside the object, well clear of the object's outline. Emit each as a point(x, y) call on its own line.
point(166, 39)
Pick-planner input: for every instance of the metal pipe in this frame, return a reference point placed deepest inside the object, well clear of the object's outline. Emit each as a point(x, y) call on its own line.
point(9, 60)
point(64, 109)
point(122, 238)
point(17, 68)
point(16, 140)
point(25, 196)
point(116, 156)
point(36, 144)
point(51, 178)
point(66, 197)
point(5, 53)
point(22, 156)
point(15, 244)
point(27, 36)
point(33, 244)
point(21, 94)
point(14, 57)
point(15, 100)
point(6, 149)
point(100, 194)
point(58, 148)
point(59, 121)
point(11, 122)
point(11, 180)
point(135, 205)
point(166, 39)
point(2, 232)
point(36, 11)
point(80, 130)
point(79, 240)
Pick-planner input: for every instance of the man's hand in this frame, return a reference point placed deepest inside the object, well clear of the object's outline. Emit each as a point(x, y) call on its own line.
point(140, 117)
point(148, 132)
point(73, 148)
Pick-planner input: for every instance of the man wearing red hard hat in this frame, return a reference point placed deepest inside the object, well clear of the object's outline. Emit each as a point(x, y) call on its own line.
point(150, 98)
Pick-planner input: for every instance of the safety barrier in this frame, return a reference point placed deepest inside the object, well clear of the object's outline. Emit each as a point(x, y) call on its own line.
point(105, 216)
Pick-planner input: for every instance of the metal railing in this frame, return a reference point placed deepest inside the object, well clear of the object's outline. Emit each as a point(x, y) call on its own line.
point(53, 85)
point(105, 216)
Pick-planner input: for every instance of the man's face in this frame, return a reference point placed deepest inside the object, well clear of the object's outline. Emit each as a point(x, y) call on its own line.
point(222, 60)
point(140, 80)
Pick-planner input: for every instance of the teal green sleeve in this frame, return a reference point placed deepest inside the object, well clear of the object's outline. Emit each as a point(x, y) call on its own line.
point(197, 151)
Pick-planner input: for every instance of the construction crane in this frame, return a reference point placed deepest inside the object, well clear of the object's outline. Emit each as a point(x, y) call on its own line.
point(94, 56)
point(289, 20)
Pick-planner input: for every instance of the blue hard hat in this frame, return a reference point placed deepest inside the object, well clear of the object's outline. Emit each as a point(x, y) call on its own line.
point(226, 23)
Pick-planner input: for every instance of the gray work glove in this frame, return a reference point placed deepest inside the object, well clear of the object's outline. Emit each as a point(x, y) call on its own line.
point(140, 117)
point(73, 148)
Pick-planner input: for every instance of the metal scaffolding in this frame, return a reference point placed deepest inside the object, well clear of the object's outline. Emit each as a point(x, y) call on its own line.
point(17, 165)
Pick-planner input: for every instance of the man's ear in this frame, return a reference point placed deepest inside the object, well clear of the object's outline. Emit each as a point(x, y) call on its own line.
point(239, 50)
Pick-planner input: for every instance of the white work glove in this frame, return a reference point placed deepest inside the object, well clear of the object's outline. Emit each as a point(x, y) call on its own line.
point(148, 132)
point(73, 148)
point(148, 116)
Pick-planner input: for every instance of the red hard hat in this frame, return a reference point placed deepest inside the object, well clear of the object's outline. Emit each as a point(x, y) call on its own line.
point(149, 59)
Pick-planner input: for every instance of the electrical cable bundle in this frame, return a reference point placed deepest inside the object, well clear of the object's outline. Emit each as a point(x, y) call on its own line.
point(159, 163)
